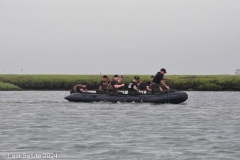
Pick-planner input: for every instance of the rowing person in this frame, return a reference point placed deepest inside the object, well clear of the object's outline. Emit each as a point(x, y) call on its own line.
point(80, 88)
point(114, 85)
point(103, 85)
point(133, 86)
point(148, 86)
point(158, 79)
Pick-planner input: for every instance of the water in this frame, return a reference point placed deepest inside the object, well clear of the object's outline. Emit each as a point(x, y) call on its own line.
point(206, 126)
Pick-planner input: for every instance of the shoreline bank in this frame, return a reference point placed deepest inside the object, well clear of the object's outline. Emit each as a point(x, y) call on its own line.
point(65, 82)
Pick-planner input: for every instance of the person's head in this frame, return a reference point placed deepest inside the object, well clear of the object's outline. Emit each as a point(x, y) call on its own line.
point(84, 85)
point(137, 79)
point(163, 71)
point(152, 78)
point(105, 78)
point(115, 77)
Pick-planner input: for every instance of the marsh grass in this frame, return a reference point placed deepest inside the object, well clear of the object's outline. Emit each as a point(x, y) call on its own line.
point(65, 82)
point(8, 87)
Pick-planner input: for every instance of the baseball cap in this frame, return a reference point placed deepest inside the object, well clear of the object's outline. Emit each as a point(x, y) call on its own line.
point(164, 70)
point(115, 75)
point(136, 77)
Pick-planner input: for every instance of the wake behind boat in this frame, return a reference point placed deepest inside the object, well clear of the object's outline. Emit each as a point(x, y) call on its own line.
point(174, 97)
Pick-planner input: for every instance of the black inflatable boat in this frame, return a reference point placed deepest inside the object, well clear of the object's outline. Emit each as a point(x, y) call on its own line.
point(174, 97)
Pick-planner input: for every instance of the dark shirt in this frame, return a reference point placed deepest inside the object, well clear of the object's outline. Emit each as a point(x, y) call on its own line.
point(131, 85)
point(113, 82)
point(158, 77)
point(149, 83)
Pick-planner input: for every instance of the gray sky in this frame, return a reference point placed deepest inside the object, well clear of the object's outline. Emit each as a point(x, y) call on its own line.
point(119, 36)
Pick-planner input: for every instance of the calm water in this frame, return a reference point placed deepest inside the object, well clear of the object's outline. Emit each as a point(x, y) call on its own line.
point(206, 126)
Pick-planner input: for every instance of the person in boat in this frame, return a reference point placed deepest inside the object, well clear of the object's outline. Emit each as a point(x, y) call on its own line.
point(133, 87)
point(114, 85)
point(80, 88)
point(103, 85)
point(148, 86)
point(158, 80)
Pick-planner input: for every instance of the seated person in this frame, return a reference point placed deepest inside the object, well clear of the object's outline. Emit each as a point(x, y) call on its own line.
point(149, 86)
point(103, 85)
point(114, 85)
point(80, 88)
point(133, 86)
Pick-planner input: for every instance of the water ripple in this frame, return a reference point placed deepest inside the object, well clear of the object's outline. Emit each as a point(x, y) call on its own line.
point(207, 126)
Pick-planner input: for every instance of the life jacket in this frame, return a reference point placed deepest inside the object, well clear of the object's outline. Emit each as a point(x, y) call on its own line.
point(75, 88)
point(104, 86)
point(111, 88)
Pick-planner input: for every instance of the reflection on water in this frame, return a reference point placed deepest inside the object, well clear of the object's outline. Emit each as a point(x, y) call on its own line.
point(206, 126)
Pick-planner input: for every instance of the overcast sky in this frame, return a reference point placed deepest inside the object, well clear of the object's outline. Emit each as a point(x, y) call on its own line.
point(119, 36)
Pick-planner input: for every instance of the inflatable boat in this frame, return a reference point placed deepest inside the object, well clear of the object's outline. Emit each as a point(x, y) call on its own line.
point(174, 97)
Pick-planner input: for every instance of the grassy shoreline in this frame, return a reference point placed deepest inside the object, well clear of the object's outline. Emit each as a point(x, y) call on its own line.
point(8, 87)
point(65, 82)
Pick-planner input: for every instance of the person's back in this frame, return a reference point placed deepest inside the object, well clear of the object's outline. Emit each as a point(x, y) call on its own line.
point(75, 89)
point(79, 88)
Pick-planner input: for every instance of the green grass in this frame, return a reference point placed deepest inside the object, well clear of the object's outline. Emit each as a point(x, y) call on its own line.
point(65, 82)
point(8, 87)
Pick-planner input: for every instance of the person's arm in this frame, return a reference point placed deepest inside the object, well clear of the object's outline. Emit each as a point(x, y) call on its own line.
point(136, 89)
point(166, 78)
point(148, 88)
point(82, 90)
point(100, 87)
point(163, 83)
point(160, 88)
point(118, 85)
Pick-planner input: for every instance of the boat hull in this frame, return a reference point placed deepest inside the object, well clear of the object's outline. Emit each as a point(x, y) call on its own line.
point(174, 97)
